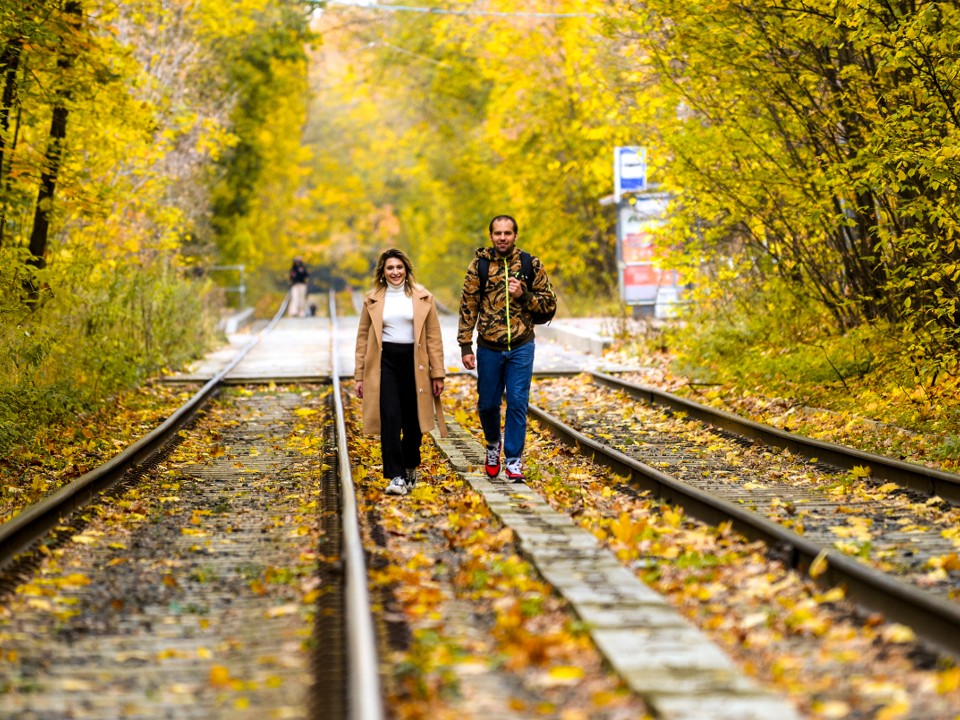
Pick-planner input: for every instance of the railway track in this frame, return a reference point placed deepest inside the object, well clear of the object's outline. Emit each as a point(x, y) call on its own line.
point(238, 527)
point(205, 572)
point(884, 537)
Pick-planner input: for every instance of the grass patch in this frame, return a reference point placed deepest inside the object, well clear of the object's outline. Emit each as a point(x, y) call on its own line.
point(783, 364)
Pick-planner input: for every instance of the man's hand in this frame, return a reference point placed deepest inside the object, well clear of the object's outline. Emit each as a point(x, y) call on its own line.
point(437, 386)
point(470, 361)
point(359, 389)
point(515, 287)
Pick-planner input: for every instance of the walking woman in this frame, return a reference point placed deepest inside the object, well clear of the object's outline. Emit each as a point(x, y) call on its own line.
point(399, 366)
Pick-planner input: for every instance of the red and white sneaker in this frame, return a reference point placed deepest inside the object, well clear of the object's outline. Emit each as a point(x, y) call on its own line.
point(492, 464)
point(515, 470)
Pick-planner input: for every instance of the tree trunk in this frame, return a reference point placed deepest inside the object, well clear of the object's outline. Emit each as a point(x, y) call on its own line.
point(9, 67)
point(48, 179)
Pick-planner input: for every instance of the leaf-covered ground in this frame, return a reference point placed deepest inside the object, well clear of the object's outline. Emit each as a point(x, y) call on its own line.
point(191, 592)
point(472, 631)
point(64, 451)
point(832, 658)
point(918, 422)
point(458, 601)
point(899, 531)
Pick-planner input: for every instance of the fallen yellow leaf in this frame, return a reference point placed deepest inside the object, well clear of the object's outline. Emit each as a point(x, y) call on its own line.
point(566, 672)
point(948, 681)
point(219, 676)
point(897, 633)
point(280, 610)
point(832, 595)
point(819, 565)
point(74, 685)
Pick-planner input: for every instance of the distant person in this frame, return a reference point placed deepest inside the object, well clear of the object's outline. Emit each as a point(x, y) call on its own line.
point(298, 288)
point(399, 367)
point(499, 306)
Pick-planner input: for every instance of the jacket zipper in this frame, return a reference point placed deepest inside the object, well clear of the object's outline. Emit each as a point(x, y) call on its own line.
point(506, 288)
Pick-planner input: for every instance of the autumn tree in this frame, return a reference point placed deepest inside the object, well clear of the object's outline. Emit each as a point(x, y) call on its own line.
point(53, 157)
point(258, 178)
point(811, 144)
point(457, 116)
point(112, 117)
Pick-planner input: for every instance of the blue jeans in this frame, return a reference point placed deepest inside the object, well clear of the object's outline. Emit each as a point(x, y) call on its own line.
point(510, 370)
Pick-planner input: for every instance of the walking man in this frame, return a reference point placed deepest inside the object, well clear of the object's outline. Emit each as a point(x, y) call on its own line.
point(502, 289)
point(298, 276)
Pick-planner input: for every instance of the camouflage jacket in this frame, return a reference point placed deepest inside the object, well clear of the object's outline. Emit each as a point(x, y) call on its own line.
point(502, 322)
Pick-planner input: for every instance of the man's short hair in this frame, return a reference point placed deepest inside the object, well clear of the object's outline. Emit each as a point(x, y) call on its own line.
point(516, 228)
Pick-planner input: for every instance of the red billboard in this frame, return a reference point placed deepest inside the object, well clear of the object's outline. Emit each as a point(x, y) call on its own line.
point(640, 278)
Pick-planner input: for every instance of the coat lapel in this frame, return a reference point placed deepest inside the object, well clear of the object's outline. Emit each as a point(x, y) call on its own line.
point(375, 308)
point(421, 308)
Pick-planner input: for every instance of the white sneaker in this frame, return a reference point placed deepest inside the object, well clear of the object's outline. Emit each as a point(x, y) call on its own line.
point(411, 477)
point(515, 469)
point(397, 486)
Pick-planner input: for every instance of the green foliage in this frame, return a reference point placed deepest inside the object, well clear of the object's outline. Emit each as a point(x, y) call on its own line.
point(97, 334)
point(753, 337)
point(949, 448)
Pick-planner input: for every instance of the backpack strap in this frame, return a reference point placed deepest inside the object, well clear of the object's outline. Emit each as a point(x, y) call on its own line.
point(526, 267)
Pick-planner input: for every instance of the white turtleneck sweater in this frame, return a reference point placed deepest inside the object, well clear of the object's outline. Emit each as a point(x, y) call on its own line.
point(397, 316)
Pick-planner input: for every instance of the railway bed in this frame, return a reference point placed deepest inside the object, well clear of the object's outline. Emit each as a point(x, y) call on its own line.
point(189, 588)
point(210, 579)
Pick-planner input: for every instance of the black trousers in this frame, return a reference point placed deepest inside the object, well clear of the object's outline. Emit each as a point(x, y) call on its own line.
point(400, 434)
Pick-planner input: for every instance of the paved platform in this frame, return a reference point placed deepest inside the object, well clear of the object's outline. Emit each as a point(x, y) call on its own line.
point(299, 350)
point(680, 673)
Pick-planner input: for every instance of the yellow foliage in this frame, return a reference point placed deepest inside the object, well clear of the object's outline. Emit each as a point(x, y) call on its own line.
point(673, 516)
point(623, 529)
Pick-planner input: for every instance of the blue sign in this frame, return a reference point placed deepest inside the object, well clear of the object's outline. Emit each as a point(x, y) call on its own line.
point(629, 170)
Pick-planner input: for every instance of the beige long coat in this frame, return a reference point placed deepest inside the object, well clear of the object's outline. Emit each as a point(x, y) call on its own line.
point(428, 356)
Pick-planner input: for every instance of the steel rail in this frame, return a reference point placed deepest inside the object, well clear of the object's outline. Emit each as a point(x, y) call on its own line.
point(934, 620)
point(943, 484)
point(33, 522)
point(364, 697)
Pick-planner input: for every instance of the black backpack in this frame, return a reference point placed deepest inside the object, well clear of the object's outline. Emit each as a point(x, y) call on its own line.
point(526, 267)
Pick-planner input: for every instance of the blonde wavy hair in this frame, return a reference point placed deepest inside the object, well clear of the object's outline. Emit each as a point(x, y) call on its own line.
point(380, 278)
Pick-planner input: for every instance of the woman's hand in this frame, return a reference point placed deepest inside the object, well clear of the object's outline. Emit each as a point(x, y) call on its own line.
point(359, 389)
point(437, 386)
